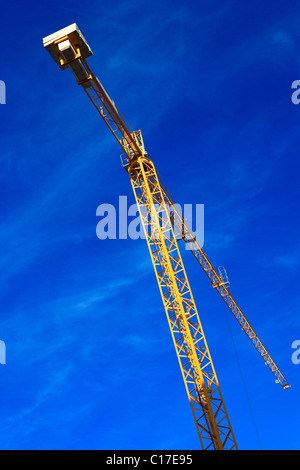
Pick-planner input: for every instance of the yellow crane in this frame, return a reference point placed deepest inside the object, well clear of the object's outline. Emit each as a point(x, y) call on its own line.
point(70, 50)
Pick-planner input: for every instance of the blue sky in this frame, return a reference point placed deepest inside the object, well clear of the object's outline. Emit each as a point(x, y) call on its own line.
point(90, 360)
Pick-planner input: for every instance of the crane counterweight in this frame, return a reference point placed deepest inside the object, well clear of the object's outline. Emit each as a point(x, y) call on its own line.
point(74, 36)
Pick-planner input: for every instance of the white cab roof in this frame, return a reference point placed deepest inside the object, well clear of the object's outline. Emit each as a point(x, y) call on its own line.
point(75, 37)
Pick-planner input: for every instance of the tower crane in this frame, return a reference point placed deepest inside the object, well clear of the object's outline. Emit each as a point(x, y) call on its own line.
point(70, 50)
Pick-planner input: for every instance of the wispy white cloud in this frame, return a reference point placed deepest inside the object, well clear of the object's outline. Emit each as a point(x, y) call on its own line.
point(49, 342)
point(290, 260)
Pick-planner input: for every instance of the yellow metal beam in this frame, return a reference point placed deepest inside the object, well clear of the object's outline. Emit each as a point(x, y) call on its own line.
point(210, 415)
